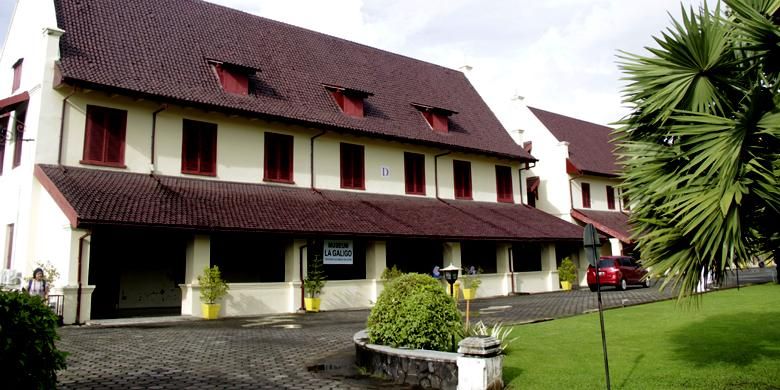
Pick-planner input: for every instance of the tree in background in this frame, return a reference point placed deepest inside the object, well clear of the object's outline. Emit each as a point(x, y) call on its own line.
point(700, 147)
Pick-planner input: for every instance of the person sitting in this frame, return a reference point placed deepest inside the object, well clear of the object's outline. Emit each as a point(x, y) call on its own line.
point(37, 285)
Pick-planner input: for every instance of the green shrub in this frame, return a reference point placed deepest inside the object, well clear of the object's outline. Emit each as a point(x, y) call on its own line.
point(567, 271)
point(414, 311)
point(212, 286)
point(315, 278)
point(28, 329)
point(391, 273)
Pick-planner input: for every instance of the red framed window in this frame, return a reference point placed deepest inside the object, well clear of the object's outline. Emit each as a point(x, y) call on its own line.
point(437, 121)
point(199, 148)
point(504, 184)
point(414, 173)
point(462, 176)
point(610, 198)
point(278, 158)
point(3, 139)
point(18, 137)
point(353, 166)
point(104, 136)
point(586, 195)
point(232, 79)
point(349, 104)
point(17, 75)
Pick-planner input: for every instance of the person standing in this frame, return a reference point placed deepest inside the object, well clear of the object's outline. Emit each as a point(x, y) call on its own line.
point(37, 285)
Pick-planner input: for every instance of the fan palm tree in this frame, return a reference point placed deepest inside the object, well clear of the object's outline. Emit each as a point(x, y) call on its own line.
point(700, 147)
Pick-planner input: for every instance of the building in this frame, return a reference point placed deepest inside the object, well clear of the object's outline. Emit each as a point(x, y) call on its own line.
point(153, 138)
point(578, 178)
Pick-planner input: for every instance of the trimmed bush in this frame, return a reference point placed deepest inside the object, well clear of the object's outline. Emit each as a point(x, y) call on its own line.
point(28, 328)
point(414, 311)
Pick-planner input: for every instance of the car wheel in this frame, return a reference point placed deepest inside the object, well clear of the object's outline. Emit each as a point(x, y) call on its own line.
point(623, 285)
point(646, 283)
point(592, 287)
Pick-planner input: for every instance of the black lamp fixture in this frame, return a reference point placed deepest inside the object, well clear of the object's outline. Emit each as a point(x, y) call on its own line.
point(450, 275)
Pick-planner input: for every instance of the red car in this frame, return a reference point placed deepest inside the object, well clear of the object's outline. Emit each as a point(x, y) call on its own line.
point(617, 271)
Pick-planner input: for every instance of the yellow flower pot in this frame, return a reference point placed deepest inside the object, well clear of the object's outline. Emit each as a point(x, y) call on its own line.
point(566, 286)
point(210, 312)
point(312, 304)
point(469, 293)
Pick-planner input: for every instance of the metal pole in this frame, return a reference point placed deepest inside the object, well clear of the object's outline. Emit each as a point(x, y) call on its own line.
point(737, 268)
point(601, 318)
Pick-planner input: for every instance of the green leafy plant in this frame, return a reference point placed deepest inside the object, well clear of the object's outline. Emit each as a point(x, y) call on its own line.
point(567, 271)
point(498, 331)
point(414, 311)
point(391, 273)
point(699, 148)
point(28, 331)
point(212, 287)
point(315, 278)
point(470, 278)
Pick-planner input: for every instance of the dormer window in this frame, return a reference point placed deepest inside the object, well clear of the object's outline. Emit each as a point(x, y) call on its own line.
point(233, 78)
point(350, 101)
point(437, 118)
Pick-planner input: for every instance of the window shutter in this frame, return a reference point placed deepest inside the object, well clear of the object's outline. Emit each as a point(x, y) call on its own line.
point(208, 148)
point(3, 139)
point(19, 137)
point(414, 173)
point(353, 106)
point(440, 122)
point(586, 195)
point(352, 166)
point(462, 172)
point(504, 183)
point(610, 198)
point(358, 158)
point(115, 136)
point(278, 157)
point(17, 75)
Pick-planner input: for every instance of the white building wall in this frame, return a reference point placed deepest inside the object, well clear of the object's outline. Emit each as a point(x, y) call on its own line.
point(598, 192)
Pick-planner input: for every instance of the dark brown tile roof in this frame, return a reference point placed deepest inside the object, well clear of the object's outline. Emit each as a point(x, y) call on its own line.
point(611, 223)
point(590, 149)
point(160, 49)
point(96, 197)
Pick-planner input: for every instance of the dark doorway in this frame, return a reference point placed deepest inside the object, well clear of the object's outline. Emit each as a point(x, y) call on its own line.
point(136, 272)
point(479, 254)
point(418, 256)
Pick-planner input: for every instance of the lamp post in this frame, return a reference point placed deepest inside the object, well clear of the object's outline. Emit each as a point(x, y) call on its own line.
point(450, 275)
point(591, 242)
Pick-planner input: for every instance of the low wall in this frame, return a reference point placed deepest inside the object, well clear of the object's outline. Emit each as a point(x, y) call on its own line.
point(427, 369)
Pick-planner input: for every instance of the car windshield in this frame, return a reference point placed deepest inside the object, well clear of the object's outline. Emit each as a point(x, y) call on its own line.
point(606, 263)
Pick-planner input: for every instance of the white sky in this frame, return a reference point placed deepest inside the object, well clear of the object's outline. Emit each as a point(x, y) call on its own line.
point(558, 54)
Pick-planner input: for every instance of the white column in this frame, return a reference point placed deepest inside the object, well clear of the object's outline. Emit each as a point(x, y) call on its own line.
point(198, 257)
point(502, 266)
point(549, 265)
point(616, 246)
point(451, 254)
point(376, 262)
point(292, 272)
point(72, 302)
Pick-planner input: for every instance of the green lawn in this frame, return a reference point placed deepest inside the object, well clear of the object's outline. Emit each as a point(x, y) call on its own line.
point(730, 341)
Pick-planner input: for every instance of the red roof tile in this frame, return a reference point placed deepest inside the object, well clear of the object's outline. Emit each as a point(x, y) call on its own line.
point(99, 197)
point(590, 147)
point(612, 223)
point(161, 48)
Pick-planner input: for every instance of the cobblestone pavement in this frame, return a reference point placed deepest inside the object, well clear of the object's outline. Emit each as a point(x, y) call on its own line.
point(293, 351)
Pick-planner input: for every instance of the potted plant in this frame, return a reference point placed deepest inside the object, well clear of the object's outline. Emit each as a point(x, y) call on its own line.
point(567, 273)
point(470, 280)
point(313, 284)
point(212, 288)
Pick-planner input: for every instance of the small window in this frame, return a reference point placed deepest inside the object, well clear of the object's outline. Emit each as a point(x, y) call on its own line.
point(349, 103)
point(532, 190)
point(3, 139)
point(104, 136)
point(586, 195)
point(234, 79)
point(437, 121)
point(199, 148)
point(414, 173)
point(17, 75)
point(352, 167)
point(462, 176)
point(504, 184)
point(18, 137)
point(610, 198)
point(278, 158)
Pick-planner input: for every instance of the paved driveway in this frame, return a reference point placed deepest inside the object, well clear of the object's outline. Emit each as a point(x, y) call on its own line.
point(296, 351)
